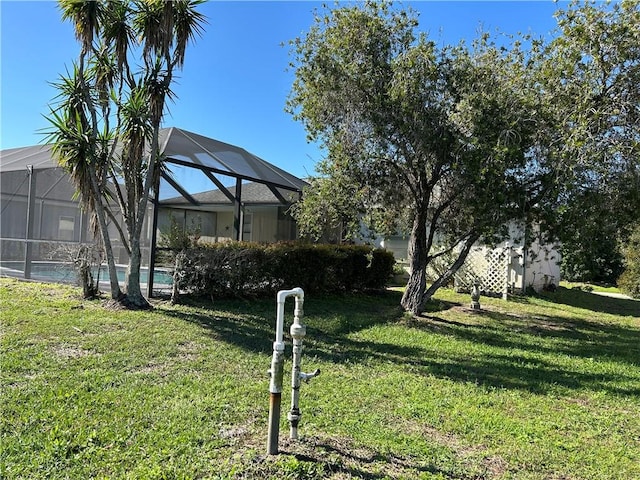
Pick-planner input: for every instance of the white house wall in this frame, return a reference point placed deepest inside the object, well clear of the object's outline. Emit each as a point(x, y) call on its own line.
point(224, 226)
point(396, 245)
point(543, 266)
point(264, 224)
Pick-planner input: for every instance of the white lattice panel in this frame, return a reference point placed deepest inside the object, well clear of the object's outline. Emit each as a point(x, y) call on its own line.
point(487, 265)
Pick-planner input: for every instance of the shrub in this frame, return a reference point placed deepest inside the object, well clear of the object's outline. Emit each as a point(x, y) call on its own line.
point(381, 267)
point(250, 269)
point(629, 281)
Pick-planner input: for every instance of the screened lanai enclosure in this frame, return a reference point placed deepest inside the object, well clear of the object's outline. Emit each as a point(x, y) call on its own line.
point(217, 191)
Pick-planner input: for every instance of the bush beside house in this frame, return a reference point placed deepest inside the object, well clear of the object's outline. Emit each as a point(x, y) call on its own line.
point(251, 269)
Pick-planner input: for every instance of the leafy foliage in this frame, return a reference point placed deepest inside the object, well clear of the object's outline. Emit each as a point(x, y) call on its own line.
point(590, 241)
point(629, 281)
point(177, 237)
point(249, 269)
point(453, 143)
point(591, 74)
point(425, 140)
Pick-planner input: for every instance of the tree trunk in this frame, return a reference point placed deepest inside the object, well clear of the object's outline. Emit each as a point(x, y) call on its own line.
point(412, 300)
point(114, 283)
point(97, 192)
point(451, 271)
point(132, 282)
point(116, 293)
point(135, 298)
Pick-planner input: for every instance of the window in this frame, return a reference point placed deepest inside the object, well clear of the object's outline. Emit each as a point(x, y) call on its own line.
point(66, 228)
point(286, 225)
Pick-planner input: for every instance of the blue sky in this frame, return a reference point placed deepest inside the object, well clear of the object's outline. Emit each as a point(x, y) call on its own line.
point(236, 80)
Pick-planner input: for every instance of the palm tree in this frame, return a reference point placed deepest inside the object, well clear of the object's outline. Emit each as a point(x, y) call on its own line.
point(120, 163)
point(165, 29)
point(75, 136)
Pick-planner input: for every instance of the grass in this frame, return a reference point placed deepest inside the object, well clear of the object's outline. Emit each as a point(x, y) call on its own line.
point(595, 287)
point(534, 388)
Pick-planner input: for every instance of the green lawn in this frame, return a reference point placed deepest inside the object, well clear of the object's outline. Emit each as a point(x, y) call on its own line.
point(533, 388)
point(590, 287)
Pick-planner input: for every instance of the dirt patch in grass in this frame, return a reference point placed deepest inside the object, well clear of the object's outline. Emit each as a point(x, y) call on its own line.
point(70, 352)
point(472, 454)
point(327, 457)
point(495, 465)
point(189, 350)
point(338, 458)
point(541, 326)
point(447, 439)
point(151, 368)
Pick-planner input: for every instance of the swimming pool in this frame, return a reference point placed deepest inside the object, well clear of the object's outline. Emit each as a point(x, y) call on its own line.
point(65, 273)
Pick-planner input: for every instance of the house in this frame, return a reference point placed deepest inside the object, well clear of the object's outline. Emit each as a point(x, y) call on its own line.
point(264, 215)
point(515, 265)
point(231, 193)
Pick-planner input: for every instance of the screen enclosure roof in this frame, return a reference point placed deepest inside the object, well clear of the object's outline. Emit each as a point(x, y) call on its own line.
point(181, 148)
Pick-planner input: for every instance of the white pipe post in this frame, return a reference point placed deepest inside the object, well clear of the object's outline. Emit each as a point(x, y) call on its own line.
point(277, 370)
point(275, 395)
point(297, 331)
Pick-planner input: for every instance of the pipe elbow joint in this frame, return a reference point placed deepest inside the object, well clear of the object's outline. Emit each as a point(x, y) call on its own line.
point(299, 293)
point(283, 294)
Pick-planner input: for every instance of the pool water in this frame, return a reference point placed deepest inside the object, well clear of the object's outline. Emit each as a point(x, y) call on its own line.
point(63, 272)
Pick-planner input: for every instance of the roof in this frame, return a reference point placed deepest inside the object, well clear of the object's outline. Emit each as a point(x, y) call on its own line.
point(193, 150)
point(252, 194)
point(180, 147)
point(13, 159)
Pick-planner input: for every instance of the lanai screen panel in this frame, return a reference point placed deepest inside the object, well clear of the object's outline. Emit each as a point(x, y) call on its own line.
point(40, 221)
point(206, 153)
point(36, 191)
point(180, 177)
point(14, 159)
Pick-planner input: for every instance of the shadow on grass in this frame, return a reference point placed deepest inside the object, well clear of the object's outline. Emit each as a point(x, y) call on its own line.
point(250, 324)
point(594, 302)
point(500, 367)
point(344, 458)
point(535, 353)
point(543, 334)
point(250, 331)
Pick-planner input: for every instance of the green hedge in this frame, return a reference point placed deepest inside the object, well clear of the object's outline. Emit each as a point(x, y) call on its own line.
point(251, 269)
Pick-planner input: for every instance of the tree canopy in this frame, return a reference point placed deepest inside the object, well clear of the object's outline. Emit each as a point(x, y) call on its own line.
point(459, 141)
point(591, 73)
point(441, 137)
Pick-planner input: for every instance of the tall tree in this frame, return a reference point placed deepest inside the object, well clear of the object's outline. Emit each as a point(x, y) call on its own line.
point(441, 136)
point(107, 121)
point(591, 74)
point(590, 234)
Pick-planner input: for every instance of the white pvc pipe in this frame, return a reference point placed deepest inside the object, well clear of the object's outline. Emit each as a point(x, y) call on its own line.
point(277, 366)
point(281, 297)
point(297, 331)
